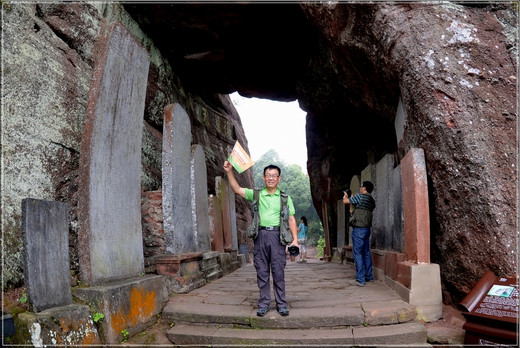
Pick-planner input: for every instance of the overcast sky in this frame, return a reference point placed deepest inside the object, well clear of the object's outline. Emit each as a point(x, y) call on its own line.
point(279, 126)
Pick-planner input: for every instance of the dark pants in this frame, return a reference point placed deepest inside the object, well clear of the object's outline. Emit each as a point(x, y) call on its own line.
point(269, 256)
point(361, 253)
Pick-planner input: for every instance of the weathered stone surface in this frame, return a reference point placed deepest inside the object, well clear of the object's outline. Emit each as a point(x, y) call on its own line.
point(199, 199)
point(381, 233)
point(45, 230)
point(70, 325)
point(45, 84)
point(455, 69)
point(178, 218)
point(42, 123)
point(223, 193)
point(153, 229)
point(110, 163)
point(396, 210)
point(215, 223)
point(130, 305)
point(415, 209)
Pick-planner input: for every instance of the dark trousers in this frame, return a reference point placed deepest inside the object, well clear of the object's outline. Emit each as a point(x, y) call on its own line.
point(269, 257)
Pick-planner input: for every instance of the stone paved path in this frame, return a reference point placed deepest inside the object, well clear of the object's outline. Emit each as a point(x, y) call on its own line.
point(320, 298)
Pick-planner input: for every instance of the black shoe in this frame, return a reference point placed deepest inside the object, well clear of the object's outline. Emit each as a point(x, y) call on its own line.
point(262, 311)
point(283, 311)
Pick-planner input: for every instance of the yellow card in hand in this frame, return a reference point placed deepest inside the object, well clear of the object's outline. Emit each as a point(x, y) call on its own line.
point(239, 158)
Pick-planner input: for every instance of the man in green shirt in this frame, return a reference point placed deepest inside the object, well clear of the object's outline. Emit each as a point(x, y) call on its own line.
point(269, 252)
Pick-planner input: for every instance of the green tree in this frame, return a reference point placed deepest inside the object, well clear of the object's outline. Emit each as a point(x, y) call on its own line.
point(295, 183)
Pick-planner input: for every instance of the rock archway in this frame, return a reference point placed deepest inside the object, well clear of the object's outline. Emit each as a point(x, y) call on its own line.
point(452, 67)
point(449, 71)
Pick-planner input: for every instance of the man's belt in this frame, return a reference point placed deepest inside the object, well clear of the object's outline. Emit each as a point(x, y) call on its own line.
point(270, 228)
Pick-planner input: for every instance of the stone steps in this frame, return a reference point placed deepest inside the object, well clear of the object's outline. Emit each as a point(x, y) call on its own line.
point(324, 310)
point(382, 322)
point(412, 333)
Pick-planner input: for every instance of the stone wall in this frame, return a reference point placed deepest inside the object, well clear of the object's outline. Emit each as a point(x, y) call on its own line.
point(47, 69)
point(449, 72)
point(153, 229)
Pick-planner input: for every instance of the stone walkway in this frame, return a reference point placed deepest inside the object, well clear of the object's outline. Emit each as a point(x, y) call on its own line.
point(325, 309)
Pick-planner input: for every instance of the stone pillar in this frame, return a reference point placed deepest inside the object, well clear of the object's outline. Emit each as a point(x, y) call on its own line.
point(355, 184)
point(109, 208)
point(396, 210)
point(222, 188)
point(215, 223)
point(415, 207)
point(199, 199)
point(176, 164)
point(233, 219)
point(370, 174)
point(381, 233)
point(45, 233)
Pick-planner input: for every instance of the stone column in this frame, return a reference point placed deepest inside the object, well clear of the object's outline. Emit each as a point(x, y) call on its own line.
point(415, 206)
point(199, 199)
point(215, 223)
point(109, 208)
point(381, 227)
point(176, 164)
point(396, 210)
point(233, 219)
point(222, 188)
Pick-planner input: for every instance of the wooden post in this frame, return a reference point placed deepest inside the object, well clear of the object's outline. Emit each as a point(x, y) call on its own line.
point(327, 253)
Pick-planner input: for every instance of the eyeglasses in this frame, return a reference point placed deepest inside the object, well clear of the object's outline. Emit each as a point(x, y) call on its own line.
point(269, 176)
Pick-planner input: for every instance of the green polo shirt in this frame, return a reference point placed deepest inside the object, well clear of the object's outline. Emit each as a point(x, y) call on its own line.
point(269, 206)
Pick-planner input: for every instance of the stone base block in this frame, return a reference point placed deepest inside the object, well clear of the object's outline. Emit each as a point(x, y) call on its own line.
point(378, 259)
point(233, 253)
point(424, 291)
point(417, 284)
point(70, 325)
point(349, 256)
point(235, 265)
point(210, 266)
point(225, 262)
point(338, 255)
point(184, 284)
point(179, 264)
point(129, 306)
point(242, 259)
point(378, 274)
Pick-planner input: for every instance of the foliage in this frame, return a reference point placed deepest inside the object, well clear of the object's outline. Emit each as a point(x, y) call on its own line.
point(125, 334)
point(295, 183)
point(320, 247)
point(98, 316)
point(23, 299)
point(315, 232)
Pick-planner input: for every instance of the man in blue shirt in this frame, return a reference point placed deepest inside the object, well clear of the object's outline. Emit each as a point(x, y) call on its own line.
point(361, 222)
point(269, 252)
